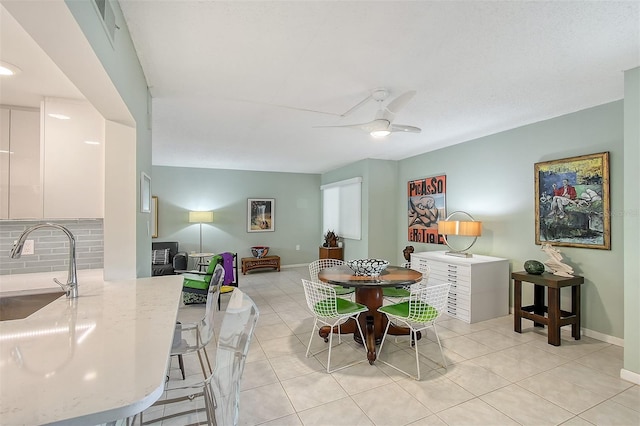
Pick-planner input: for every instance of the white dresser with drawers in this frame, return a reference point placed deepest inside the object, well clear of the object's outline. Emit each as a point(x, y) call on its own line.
point(479, 284)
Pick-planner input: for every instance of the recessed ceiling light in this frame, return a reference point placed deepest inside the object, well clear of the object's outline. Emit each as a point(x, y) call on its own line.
point(92, 142)
point(8, 69)
point(4, 151)
point(59, 116)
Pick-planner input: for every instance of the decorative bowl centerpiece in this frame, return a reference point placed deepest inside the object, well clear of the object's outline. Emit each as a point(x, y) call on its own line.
point(368, 267)
point(259, 251)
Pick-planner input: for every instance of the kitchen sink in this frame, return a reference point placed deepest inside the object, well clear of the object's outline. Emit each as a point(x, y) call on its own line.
point(21, 306)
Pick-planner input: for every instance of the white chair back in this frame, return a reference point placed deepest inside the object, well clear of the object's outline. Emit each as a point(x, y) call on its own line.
point(222, 388)
point(318, 265)
point(321, 299)
point(206, 325)
point(426, 304)
point(425, 270)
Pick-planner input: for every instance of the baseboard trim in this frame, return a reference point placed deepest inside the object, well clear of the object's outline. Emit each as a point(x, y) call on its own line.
point(630, 376)
point(293, 266)
point(603, 337)
point(594, 334)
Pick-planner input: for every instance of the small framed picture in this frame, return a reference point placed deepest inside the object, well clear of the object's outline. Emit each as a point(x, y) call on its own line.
point(261, 214)
point(145, 193)
point(154, 217)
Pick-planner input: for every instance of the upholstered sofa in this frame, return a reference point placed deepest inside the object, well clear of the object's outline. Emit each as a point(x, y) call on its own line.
point(166, 259)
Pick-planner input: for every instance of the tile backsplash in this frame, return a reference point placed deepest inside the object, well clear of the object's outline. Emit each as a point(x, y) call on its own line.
point(51, 245)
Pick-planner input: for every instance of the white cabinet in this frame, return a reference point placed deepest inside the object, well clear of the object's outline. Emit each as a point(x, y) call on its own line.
point(74, 160)
point(479, 284)
point(54, 170)
point(20, 164)
point(5, 153)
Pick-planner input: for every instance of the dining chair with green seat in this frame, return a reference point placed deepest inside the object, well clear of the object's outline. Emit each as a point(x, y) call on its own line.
point(194, 337)
point(318, 265)
point(330, 310)
point(220, 391)
point(424, 307)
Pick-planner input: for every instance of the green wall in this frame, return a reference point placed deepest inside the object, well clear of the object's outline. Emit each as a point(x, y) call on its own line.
point(354, 249)
point(379, 179)
point(297, 210)
point(492, 179)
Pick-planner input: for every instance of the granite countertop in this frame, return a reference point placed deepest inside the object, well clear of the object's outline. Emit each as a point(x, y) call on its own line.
point(90, 360)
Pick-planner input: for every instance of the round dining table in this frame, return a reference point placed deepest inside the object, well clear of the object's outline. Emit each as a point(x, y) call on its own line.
point(369, 293)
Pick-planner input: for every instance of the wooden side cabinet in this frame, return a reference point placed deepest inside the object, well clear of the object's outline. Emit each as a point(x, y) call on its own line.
point(331, 253)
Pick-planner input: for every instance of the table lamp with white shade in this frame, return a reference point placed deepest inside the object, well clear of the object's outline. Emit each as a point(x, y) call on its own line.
point(200, 217)
point(462, 228)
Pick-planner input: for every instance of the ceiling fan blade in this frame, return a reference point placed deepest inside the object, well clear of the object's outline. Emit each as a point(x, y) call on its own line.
point(356, 106)
point(378, 124)
point(397, 104)
point(404, 128)
point(362, 126)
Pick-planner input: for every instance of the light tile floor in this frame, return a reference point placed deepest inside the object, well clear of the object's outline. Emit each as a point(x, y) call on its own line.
point(495, 376)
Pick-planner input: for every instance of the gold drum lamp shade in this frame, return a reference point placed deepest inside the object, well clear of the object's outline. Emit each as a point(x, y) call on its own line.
point(463, 228)
point(201, 217)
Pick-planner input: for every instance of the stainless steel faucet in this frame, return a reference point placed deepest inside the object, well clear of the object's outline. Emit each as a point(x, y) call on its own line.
point(71, 287)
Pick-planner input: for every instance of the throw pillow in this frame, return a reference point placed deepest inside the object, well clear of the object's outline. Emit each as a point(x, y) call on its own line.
point(160, 257)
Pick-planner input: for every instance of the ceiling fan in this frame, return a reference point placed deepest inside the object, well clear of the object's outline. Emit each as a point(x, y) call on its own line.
point(382, 125)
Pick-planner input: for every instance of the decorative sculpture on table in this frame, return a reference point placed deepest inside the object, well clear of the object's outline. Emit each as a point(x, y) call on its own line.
point(534, 267)
point(407, 253)
point(330, 239)
point(554, 263)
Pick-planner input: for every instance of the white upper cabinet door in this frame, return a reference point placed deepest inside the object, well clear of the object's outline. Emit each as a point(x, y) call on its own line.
point(5, 150)
point(74, 160)
point(20, 164)
point(25, 196)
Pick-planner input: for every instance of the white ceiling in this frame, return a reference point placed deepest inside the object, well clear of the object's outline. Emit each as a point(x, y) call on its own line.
point(235, 84)
point(38, 77)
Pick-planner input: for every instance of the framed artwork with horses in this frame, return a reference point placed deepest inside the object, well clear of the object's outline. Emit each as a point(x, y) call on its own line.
point(572, 202)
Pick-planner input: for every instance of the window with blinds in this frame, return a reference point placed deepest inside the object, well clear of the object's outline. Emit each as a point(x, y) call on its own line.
point(342, 208)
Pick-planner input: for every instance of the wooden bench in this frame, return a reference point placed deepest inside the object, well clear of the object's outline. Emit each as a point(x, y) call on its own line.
point(249, 263)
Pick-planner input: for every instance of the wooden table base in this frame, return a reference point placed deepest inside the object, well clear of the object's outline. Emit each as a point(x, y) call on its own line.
point(372, 322)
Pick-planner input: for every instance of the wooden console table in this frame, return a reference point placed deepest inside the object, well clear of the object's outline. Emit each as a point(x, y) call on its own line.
point(555, 317)
point(249, 263)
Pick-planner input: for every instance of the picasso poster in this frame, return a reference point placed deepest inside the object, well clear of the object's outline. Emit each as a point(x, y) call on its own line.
point(426, 205)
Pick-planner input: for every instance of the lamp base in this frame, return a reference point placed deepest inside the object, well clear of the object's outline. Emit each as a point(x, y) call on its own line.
point(458, 253)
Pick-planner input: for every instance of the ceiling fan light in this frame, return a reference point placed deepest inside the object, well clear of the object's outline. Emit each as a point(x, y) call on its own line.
point(380, 133)
point(8, 69)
